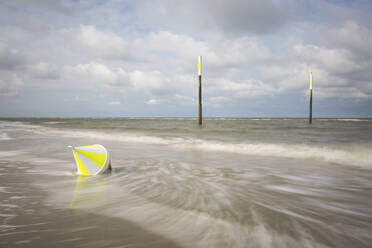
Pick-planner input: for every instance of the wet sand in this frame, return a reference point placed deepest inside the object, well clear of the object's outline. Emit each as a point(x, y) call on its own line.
point(25, 221)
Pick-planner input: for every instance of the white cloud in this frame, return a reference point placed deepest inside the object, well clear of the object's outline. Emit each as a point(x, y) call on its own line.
point(217, 51)
point(79, 99)
point(151, 82)
point(171, 44)
point(44, 70)
point(217, 101)
point(97, 73)
point(114, 103)
point(346, 92)
point(351, 36)
point(333, 60)
point(231, 17)
point(249, 49)
point(101, 75)
point(10, 84)
point(245, 88)
point(152, 102)
point(184, 100)
point(89, 40)
point(11, 58)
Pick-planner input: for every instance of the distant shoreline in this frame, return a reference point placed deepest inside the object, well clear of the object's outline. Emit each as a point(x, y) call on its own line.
point(178, 117)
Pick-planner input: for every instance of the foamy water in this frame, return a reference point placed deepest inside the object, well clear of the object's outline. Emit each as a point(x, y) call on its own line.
point(232, 183)
point(345, 152)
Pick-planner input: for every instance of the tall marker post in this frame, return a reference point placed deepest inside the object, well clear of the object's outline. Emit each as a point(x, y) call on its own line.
point(311, 98)
point(200, 89)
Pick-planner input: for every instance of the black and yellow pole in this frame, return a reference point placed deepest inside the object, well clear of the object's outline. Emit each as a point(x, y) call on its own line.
point(311, 98)
point(200, 90)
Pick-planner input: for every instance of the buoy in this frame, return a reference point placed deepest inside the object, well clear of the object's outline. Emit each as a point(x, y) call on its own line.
point(91, 160)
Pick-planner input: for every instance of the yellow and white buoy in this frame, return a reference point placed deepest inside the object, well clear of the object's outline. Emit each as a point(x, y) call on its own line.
point(91, 160)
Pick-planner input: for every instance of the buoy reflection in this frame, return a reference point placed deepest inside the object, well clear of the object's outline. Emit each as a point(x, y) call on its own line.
point(89, 190)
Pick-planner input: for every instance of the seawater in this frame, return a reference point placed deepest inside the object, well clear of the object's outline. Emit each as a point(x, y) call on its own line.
point(230, 183)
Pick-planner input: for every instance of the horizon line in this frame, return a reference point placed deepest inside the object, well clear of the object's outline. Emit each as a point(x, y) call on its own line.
point(175, 117)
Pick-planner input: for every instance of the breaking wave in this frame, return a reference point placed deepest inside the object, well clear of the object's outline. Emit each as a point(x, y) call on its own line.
point(358, 155)
point(343, 153)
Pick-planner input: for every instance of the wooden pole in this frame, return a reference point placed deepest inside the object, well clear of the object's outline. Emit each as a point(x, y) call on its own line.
point(200, 90)
point(311, 98)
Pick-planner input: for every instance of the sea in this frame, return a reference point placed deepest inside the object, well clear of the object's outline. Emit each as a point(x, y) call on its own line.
point(233, 182)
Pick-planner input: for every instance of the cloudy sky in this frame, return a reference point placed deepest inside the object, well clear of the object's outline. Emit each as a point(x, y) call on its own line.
point(139, 57)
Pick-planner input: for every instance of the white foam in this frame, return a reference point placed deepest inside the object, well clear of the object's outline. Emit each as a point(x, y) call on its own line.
point(10, 153)
point(345, 119)
point(4, 136)
point(349, 155)
point(349, 120)
point(357, 155)
point(261, 119)
point(4, 190)
point(18, 124)
point(356, 120)
point(53, 122)
point(9, 206)
point(360, 156)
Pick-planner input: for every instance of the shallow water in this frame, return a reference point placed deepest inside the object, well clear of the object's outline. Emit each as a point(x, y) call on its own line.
point(232, 183)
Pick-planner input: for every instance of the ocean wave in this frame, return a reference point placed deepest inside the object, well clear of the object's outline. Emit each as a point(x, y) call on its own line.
point(353, 120)
point(358, 155)
point(18, 125)
point(261, 119)
point(348, 154)
point(345, 119)
point(53, 122)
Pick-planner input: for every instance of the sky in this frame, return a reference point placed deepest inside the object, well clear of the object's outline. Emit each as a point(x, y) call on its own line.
point(126, 58)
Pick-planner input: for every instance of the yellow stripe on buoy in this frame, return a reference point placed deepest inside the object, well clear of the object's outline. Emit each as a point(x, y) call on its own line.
point(81, 166)
point(97, 158)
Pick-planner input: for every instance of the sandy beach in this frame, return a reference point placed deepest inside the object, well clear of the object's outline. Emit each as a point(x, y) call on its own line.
point(235, 183)
point(26, 221)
